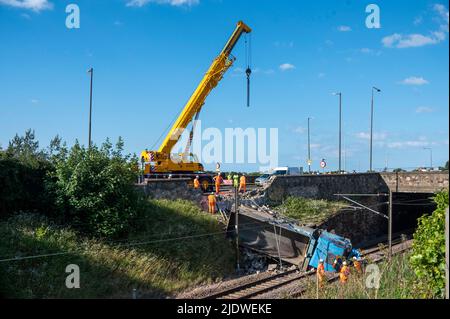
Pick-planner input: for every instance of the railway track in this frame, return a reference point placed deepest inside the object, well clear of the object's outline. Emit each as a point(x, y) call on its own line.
point(260, 287)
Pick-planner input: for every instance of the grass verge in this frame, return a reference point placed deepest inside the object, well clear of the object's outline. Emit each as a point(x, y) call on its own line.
point(397, 281)
point(146, 260)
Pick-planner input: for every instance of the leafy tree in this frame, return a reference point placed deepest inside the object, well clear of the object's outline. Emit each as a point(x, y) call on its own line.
point(23, 170)
point(26, 149)
point(94, 189)
point(428, 257)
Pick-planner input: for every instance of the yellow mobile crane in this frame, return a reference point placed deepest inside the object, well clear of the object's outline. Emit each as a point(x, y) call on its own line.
point(161, 163)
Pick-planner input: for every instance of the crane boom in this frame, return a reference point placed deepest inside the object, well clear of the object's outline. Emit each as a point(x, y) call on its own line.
point(160, 161)
point(212, 77)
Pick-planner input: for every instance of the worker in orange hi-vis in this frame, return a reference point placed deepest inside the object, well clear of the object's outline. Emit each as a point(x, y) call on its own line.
point(212, 203)
point(196, 183)
point(218, 180)
point(321, 273)
point(242, 183)
point(357, 265)
point(343, 273)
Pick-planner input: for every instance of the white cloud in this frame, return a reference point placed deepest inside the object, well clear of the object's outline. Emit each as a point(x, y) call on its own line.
point(287, 66)
point(344, 28)
point(175, 3)
point(263, 71)
point(370, 51)
point(418, 20)
point(375, 136)
point(424, 109)
point(34, 101)
point(442, 12)
point(300, 130)
point(418, 143)
point(401, 41)
point(34, 5)
point(413, 80)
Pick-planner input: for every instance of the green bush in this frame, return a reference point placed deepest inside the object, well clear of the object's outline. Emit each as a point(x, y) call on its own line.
point(428, 257)
point(23, 170)
point(94, 189)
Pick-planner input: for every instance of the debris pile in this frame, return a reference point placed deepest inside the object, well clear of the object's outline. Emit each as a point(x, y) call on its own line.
point(252, 262)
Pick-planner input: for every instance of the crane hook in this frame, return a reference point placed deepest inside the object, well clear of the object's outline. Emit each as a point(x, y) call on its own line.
point(248, 72)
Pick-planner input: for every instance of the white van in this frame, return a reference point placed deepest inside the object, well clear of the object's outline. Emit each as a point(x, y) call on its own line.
point(285, 170)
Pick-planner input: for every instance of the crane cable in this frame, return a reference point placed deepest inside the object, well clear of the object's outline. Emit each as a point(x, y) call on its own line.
point(248, 71)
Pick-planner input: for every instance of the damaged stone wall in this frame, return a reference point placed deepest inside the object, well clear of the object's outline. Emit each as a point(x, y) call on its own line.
point(360, 226)
point(171, 189)
point(325, 186)
point(416, 182)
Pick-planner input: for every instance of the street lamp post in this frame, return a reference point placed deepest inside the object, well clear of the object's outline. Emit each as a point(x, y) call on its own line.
point(371, 126)
point(91, 71)
point(309, 146)
point(431, 156)
point(340, 130)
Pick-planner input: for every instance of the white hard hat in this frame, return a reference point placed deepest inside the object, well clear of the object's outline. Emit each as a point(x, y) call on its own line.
point(354, 258)
point(344, 263)
point(321, 261)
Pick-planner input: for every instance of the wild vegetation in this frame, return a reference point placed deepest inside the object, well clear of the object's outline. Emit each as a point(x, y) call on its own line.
point(80, 206)
point(397, 281)
point(428, 257)
point(419, 273)
point(309, 211)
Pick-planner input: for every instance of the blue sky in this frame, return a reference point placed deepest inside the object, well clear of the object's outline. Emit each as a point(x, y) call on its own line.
point(149, 56)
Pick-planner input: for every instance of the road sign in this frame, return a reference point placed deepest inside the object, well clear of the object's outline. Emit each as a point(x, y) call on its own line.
point(323, 164)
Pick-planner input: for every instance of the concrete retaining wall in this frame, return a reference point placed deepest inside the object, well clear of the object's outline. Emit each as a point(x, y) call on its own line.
point(171, 189)
point(416, 182)
point(325, 186)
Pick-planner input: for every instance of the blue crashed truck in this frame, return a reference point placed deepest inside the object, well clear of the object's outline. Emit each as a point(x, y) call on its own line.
point(283, 239)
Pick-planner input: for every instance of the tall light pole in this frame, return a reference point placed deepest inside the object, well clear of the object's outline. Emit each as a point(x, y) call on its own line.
point(371, 126)
point(91, 71)
point(340, 130)
point(309, 146)
point(431, 156)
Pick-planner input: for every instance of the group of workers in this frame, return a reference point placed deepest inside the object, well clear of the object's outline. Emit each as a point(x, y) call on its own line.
point(343, 268)
point(238, 182)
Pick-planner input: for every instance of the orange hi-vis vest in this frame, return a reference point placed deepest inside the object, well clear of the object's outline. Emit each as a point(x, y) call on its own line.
point(357, 265)
point(218, 180)
point(196, 183)
point(321, 272)
point(212, 200)
point(242, 180)
point(343, 275)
